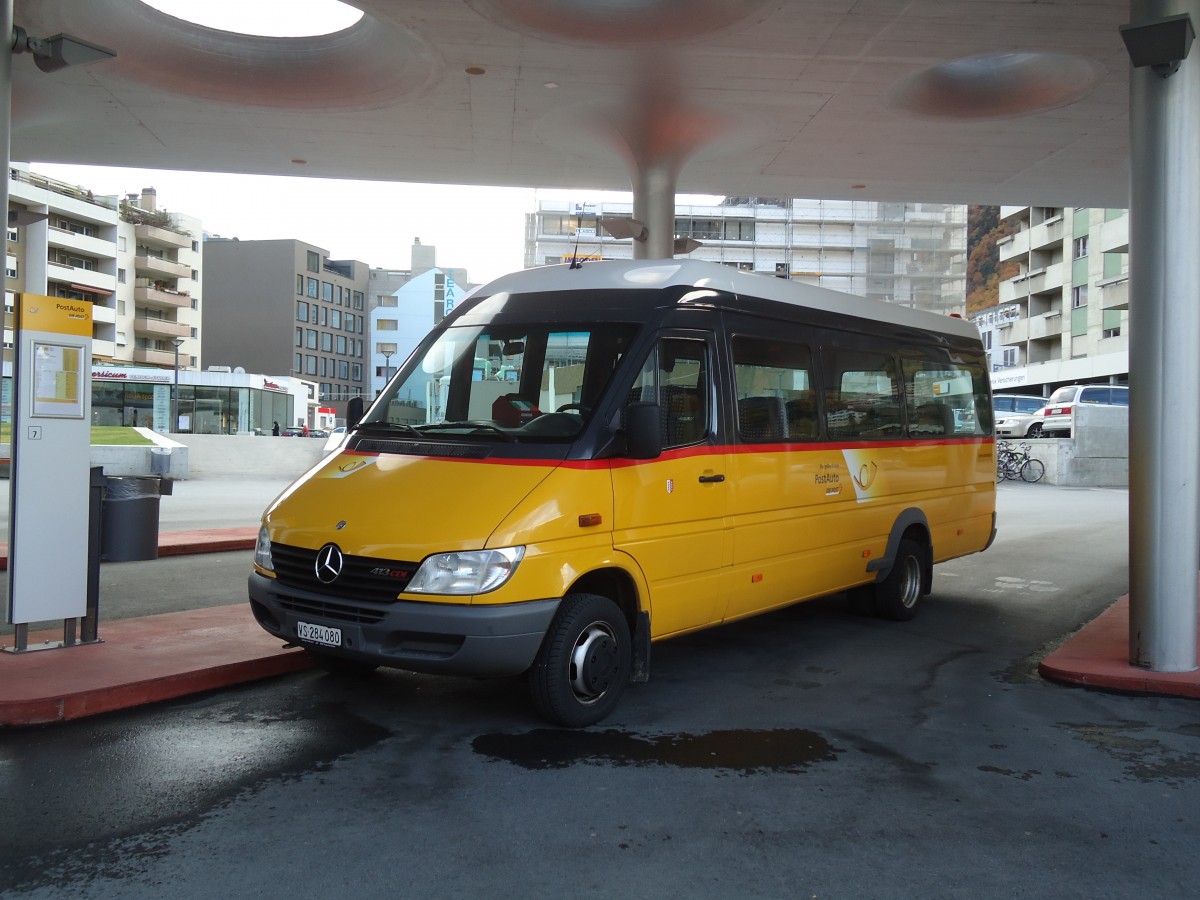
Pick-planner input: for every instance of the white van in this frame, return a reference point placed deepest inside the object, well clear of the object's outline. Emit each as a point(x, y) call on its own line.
point(1060, 408)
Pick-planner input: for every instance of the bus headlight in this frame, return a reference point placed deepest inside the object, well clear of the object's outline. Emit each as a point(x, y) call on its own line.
point(262, 550)
point(466, 571)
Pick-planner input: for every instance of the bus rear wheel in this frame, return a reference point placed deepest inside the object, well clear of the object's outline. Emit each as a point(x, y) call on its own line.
point(898, 596)
point(584, 662)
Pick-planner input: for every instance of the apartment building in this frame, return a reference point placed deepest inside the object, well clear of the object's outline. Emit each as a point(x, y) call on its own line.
point(1064, 318)
point(137, 265)
point(61, 241)
point(284, 306)
point(913, 254)
point(403, 318)
point(159, 285)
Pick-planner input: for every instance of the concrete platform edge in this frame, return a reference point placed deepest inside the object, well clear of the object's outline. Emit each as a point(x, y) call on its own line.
point(1097, 656)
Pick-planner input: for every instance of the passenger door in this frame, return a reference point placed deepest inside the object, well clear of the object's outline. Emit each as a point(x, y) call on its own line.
point(670, 511)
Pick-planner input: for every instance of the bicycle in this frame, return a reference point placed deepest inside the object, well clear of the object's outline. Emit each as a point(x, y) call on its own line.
point(1013, 464)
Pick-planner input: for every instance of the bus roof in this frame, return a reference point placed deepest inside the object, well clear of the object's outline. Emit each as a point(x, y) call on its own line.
point(651, 274)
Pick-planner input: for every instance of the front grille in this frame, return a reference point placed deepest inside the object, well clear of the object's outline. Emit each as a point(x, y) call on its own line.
point(330, 609)
point(361, 578)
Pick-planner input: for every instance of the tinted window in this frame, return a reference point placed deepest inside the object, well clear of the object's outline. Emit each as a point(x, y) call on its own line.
point(775, 394)
point(862, 394)
point(676, 376)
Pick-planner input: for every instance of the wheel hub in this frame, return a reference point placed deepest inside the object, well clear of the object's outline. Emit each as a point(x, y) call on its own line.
point(594, 663)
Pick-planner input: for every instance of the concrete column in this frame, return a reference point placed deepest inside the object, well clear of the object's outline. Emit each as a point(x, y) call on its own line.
point(37, 253)
point(6, 30)
point(654, 206)
point(1164, 356)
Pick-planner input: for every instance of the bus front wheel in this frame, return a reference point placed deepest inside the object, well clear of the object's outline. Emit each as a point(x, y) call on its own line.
point(584, 662)
point(898, 596)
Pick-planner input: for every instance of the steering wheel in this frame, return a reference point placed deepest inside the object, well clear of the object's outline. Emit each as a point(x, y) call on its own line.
point(578, 408)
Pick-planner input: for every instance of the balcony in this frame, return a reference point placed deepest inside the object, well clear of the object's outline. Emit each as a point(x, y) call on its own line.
point(64, 239)
point(157, 298)
point(1048, 326)
point(1047, 234)
point(79, 278)
point(156, 266)
point(153, 236)
point(165, 358)
point(1113, 236)
point(150, 327)
point(1114, 294)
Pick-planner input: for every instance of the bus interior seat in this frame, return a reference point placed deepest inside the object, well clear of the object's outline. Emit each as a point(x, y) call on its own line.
point(681, 419)
point(761, 418)
point(932, 419)
point(802, 418)
point(840, 420)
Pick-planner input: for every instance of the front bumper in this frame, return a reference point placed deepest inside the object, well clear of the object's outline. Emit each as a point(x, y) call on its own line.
point(451, 639)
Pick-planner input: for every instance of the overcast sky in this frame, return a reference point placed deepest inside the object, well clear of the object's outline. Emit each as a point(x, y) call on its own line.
point(480, 229)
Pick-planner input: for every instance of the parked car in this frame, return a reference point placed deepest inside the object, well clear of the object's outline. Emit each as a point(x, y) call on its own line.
point(334, 440)
point(1061, 405)
point(293, 431)
point(1020, 424)
point(1016, 403)
point(319, 432)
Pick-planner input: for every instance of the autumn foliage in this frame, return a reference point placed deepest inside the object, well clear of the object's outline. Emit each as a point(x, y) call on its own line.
point(984, 270)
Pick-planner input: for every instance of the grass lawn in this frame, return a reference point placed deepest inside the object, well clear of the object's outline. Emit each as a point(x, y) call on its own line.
point(109, 435)
point(106, 435)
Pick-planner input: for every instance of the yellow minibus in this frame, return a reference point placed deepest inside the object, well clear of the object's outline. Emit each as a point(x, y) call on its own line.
point(579, 461)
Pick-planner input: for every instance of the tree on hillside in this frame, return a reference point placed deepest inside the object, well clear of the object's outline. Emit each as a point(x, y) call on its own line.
point(984, 271)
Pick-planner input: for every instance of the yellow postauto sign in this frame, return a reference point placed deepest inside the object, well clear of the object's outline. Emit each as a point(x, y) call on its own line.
point(56, 315)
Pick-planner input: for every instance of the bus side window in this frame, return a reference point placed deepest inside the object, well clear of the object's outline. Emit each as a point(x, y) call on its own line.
point(774, 384)
point(942, 395)
point(863, 396)
point(676, 377)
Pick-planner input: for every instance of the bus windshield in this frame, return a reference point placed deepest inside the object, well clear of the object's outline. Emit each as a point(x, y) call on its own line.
point(539, 381)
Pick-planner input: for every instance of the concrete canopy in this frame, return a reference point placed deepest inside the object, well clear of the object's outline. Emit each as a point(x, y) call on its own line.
point(961, 101)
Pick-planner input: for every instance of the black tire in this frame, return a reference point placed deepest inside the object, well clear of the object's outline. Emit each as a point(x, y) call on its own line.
point(1032, 470)
point(1035, 430)
point(584, 662)
point(898, 596)
point(339, 665)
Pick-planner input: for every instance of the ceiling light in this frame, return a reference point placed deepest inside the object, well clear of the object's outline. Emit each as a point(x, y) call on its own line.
point(305, 18)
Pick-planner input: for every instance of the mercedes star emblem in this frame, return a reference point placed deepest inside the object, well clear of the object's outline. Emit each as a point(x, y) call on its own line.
point(329, 563)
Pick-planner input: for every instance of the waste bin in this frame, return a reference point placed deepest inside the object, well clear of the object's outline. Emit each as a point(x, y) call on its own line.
point(160, 461)
point(129, 527)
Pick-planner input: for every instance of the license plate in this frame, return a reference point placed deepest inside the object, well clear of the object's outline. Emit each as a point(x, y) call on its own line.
point(319, 634)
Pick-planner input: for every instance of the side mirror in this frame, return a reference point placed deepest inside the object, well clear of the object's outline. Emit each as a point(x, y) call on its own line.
point(354, 413)
point(643, 439)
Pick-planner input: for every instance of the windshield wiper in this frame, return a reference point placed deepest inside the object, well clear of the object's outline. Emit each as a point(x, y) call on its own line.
point(473, 428)
point(388, 426)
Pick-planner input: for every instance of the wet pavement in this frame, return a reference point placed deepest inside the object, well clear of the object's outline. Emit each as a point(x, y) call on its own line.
point(808, 753)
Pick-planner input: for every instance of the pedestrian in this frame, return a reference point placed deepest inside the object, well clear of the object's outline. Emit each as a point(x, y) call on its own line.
point(275, 429)
point(306, 429)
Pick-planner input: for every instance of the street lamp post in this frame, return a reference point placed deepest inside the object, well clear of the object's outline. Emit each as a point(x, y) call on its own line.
point(174, 426)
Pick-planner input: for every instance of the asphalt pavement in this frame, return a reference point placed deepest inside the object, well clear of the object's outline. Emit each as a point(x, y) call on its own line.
point(806, 753)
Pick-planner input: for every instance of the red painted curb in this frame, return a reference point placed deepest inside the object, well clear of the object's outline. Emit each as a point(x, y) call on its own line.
point(139, 661)
point(1097, 656)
